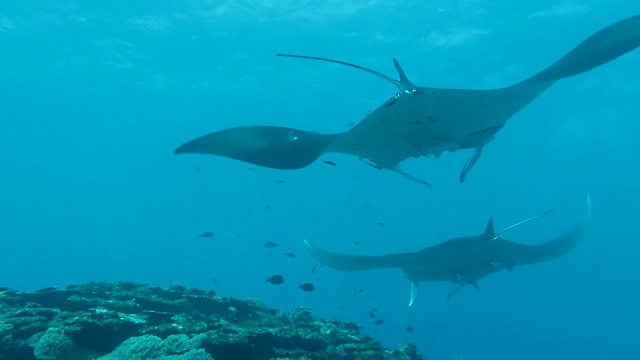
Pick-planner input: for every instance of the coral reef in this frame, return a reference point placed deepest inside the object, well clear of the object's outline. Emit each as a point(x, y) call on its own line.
point(123, 320)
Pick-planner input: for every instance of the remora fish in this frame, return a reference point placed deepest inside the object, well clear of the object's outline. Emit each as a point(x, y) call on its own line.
point(462, 260)
point(416, 121)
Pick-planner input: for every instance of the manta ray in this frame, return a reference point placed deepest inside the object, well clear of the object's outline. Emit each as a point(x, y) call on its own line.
point(417, 121)
point(463, 260)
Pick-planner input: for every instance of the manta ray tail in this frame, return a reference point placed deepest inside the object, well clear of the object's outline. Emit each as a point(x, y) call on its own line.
point(404, 84)
point(269, 146)
point(560, 245)
point(344, 262)
point(605, 45)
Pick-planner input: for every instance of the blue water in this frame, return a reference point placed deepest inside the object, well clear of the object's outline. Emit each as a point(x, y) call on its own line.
point(94, 98)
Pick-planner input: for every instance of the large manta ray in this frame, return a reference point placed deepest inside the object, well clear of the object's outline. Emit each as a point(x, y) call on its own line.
point(462, 260)
point(416, 121)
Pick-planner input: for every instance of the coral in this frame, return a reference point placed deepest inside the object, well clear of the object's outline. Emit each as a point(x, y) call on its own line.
point(175, 347)
point(131, 321)
point(53, 344)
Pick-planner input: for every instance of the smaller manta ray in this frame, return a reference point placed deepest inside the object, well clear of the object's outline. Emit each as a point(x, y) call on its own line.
point(417, 121)
point(462, 260)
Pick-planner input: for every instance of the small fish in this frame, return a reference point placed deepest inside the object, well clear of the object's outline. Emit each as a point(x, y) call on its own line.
point(214, 280)
point(381, 223)
point(47, 289)
point(280, 181)
point(313, 269)
point(307, 287)
point(356, 243)
point(271, 244)
point(329, 163)
point(290, 254)
point(372, 314)
point(267, 207)
point(378, 322)
point(409, 329)
point(275, 279)
point(207, 234)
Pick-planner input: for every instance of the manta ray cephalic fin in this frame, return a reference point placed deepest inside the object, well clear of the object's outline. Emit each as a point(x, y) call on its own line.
point(460, 286)
point(457, 288)
point(414, 293)
point(470, 164)
point(400, 171)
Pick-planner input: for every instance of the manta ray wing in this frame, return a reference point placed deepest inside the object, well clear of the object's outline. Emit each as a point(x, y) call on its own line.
point(560, 245)
point(344, 262)
point(269, 146)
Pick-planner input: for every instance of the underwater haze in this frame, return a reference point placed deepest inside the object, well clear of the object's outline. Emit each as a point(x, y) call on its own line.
point(95, 97)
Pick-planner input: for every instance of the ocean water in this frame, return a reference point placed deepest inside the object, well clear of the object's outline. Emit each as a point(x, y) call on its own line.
point(94, 98)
